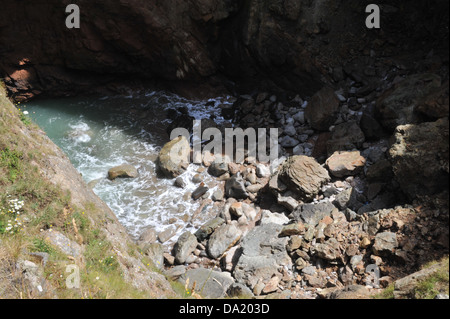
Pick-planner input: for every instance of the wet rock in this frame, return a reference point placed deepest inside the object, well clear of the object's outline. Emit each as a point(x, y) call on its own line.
point(322, 110)
point(304, 175)
point(199, 192)
point(343, 164)
point(122, 171)
point(219, 166)
point(174, 157)
point(166, 234)
point(185, 246)
point(179, 182)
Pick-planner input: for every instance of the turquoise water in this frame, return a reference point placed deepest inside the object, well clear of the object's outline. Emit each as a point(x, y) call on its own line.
point(98, 133)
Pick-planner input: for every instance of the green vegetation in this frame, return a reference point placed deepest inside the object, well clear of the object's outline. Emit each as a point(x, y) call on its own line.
point(436, 283)
point(31, 206)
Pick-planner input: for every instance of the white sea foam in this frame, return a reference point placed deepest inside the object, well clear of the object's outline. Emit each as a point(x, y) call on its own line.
point(97, 139)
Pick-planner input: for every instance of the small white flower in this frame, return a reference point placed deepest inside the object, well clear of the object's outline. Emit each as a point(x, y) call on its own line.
point(25, 112)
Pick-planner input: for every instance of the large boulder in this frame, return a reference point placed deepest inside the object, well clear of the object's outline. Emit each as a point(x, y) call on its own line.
point(263, 254)
point(223, 238)
point(420, 158)
point(122, 171)
point(304, 176)
point(185, 246)
point(397, 105)
point(208, 283)
point(322, 110)
point(174, 157)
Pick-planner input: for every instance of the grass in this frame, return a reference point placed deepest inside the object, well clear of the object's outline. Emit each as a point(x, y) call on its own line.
point(47, 207)
point(435, 284)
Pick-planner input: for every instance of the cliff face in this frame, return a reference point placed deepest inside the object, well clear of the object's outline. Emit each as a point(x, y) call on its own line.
point(287, 44)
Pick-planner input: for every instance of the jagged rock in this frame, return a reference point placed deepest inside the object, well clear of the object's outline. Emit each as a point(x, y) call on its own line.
point(174, 157)
point(420, 158)
point(223, 238)
point(328, 250)
point(268, 217)
point(63, 243)
point(235, 188)
point(209, 283)
point(122, 171)
point(385, 243)
point(342, 164)
point(396, 106)
point(312, 214)
point(155, 252)
point(263, 253)
point(185, 246)
point(322, 110)
point(219, 166)
point(345, 137)
point(208, 228)
point(304, 175)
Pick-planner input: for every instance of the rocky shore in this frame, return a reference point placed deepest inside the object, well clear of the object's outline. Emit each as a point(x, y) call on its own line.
point(362, 186)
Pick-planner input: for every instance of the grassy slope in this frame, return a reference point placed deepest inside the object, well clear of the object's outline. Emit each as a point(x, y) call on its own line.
point(45, 206)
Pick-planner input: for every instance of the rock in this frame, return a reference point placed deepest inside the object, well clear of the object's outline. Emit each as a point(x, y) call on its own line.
point(369, 125)
point(345, 137)
point(385, 243)
point(343, 164)
point(254, 188)
point(185, 246)
point(223, 238)
point(199, 192)
point(288, 142)
point(166, 234)
point(321, 111)
point(262, 171)
point(235, 188)
point(380, 171)
point(328, 250)
point(292, 229)
point(174, 157)
point(404, 288)
point(175, 272)
point(219, 166)
point(217, 196)
point(179, 182)
point(396, 106)
point(236, 209)
point(304, 176)
point(351, 292)
point(208, 228)
point(435, 105)
point(122, 171)
point(155, 252)
point(240, 291)
point(209, 283)
point(263, 253)
point(288, 202)
point(148, 236)
point(267, 217)
point(197, 179)
point(312, 214)
point(63, 243)
point(272, 285)
point(420, 158)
